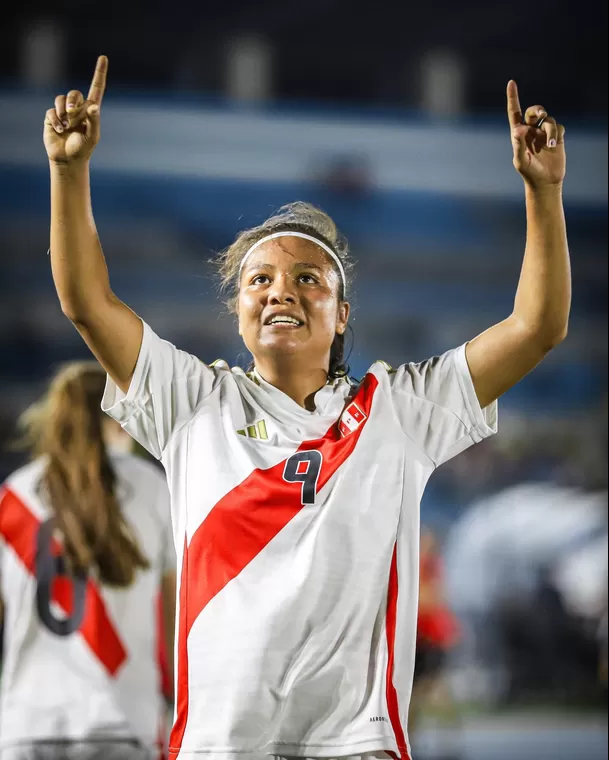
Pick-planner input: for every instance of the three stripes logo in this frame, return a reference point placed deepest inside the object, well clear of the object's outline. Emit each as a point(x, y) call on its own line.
point(257, 430)
point(351, 419)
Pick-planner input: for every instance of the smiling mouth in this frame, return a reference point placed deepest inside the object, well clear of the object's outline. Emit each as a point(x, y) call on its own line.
point(285, 323)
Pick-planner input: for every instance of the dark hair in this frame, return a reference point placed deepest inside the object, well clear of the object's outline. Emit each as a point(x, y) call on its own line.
point(78, 482)
point(293, 217)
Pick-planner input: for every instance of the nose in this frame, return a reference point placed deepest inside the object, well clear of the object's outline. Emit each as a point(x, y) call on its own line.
point(282, 290)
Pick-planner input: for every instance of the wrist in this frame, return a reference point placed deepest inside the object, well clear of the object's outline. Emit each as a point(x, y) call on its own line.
point(548, 190)
point(68, 171)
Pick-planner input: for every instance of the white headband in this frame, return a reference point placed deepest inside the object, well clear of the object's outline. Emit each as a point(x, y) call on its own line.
point(304, 236)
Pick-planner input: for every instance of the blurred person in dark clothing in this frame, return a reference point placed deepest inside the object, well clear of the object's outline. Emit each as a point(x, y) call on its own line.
point(438, 631)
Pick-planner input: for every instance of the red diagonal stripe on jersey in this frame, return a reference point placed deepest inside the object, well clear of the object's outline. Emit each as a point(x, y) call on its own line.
point(19, 528)
point(392, 695)
point(245, 520)
point(238, 528)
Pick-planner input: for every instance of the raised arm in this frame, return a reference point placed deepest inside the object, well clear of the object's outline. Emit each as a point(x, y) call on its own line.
point(504, 354)
point(111, 330)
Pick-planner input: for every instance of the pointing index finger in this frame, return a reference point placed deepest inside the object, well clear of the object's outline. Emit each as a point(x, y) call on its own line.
point(98, 83)
point(513, 104)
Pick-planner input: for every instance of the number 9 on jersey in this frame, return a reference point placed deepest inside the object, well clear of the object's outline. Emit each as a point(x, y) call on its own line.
point(304, 467)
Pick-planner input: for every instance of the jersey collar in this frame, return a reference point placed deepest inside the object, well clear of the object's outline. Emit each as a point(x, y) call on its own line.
point(323, 398)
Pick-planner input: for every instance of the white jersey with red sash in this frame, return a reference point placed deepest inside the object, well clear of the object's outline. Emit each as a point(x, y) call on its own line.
point(297, 534)
point(80, 659)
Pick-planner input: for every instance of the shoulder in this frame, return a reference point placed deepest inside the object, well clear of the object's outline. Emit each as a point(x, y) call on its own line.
point(163, 361)
point(381, 373)
point(418, 374)
point(223, 374)
point(381, 368)
point(20, 498)
point(26, 478)
point(231, 377)
point(452, 355)
point(241, 386)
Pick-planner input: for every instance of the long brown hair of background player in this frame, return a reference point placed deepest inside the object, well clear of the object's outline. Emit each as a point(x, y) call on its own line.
point(79, 483)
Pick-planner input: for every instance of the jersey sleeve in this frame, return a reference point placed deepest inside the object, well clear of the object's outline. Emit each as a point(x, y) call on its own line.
point(167, 386)
point(437, 407)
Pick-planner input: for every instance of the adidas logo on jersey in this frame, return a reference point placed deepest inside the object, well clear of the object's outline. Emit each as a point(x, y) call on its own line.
point(257, 430)
point(351, 419)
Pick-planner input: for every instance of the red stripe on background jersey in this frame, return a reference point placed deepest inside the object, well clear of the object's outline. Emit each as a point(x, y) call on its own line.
point(179, 726)
point(238, 528)
point(19, 528)
point(392, 695)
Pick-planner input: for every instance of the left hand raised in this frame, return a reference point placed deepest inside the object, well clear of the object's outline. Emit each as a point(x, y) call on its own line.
point(539, 152)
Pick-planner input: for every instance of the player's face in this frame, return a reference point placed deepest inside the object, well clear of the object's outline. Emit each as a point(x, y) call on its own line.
point(288, 301)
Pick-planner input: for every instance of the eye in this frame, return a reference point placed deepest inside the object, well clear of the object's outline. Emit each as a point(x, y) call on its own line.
point(308, 279)
point(260, 279)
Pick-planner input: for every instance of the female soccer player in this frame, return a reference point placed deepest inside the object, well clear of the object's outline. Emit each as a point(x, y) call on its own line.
point(295, 493)
point(85, 548)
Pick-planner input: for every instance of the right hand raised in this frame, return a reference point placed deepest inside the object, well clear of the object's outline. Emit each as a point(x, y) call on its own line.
point(71, 128)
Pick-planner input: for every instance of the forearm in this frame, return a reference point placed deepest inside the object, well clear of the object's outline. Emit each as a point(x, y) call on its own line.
point(77, 261)
point(502, 355)
point(543, 298)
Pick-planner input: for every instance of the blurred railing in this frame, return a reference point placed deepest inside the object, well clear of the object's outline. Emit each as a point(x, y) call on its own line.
point(255, 144)
point(433, 210)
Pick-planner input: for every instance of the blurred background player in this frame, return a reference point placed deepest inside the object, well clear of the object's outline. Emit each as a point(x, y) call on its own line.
point(86, 551)
point(437, 632)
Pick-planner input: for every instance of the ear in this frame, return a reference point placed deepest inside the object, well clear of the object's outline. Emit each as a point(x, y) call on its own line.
point(234, 307)
point(342, 317)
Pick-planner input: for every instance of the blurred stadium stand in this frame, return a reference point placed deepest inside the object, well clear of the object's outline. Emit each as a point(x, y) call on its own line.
point(434, 214)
